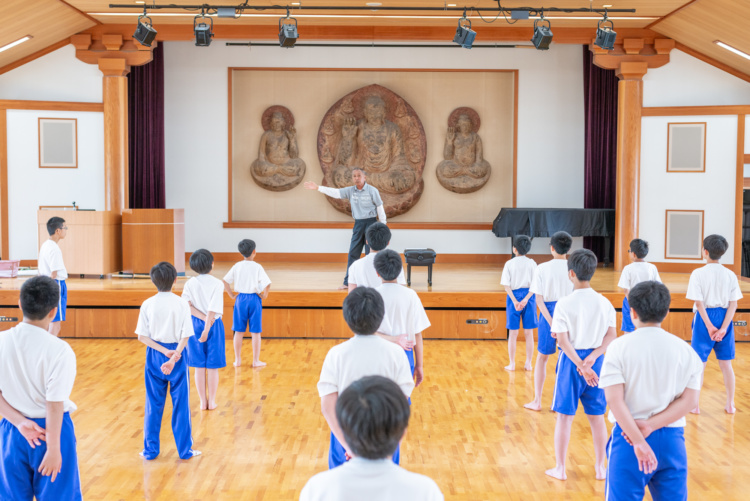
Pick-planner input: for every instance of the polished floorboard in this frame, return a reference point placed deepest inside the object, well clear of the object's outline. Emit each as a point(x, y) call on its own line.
point(468, 429)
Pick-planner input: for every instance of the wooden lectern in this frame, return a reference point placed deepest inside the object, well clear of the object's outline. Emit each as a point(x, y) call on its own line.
point(150, 236)
point(93, 245)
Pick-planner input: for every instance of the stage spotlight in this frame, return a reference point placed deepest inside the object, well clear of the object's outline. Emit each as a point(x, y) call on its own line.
point(287, 31)
point(464, 34)
point(542, 33)
point(145, 32)
point(605, 35)
point(203, 32)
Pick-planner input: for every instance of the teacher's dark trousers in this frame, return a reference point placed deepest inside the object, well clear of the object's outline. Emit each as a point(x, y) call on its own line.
point(358, 242)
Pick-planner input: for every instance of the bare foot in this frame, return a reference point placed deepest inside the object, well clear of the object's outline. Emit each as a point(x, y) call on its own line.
point(211, 406)
point(204, 405)
point(697, 410)
point(533, 406)
point(237, 363)
point(343, 287)
point(527, 366)
point(510, 367)
point(601, 472)
point(730, 408)
point(557, 472)
point(259, 364)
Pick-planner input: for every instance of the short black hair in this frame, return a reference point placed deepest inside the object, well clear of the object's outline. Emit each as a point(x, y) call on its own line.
point(378, 235)
point(716, 245)
point(201, 261)
point(373, 414)
point(39, 295)
point(388, 264)
point(561, 242)
point(54, 224)
point(522, 243)
point(583, 263)
point(246, 247)
point(163, 276)
point(650, 300)
point(364, 310)
point(639, 248)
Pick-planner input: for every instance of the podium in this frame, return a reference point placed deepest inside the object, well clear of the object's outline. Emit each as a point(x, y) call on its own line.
point(150, 236)
point(93, 245)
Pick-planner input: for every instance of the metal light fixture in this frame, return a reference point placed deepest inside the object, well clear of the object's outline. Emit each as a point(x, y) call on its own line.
point(203, 32)
point(464, 34)
point(144, 32)
point(288, 34)
point(605, 35)
point(542, 33)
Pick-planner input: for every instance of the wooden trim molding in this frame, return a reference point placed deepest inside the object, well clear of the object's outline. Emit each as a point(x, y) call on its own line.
point(10, 104)
point(231, 224)
point(677, 111)
point(669, 144)
point(666, 231)
point(75, 143)
point(341, 257)
point(682, 267)
point(738, 194)
point(746, 159)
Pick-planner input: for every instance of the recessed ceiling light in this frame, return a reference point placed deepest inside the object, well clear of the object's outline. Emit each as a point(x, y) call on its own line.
point(140, 1)
point(373, 4)
point(17, 42)
point(451, 5)
point(296, 3)
point(607, 6)
point(723, 46)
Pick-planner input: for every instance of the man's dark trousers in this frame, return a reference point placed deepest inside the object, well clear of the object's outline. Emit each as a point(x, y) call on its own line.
point(358, 242)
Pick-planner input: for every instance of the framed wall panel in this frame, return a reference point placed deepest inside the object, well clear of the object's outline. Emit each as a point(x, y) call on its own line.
point(684, 234)
point(686, 147)
point(58, 143)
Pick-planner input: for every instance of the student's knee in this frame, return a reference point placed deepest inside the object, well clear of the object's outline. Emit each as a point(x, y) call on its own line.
point(542, 358)
point(725, 365)
point(565, 419)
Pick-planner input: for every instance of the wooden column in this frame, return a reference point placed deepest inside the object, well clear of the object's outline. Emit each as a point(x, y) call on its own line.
point(630, 59)
point(115, 97)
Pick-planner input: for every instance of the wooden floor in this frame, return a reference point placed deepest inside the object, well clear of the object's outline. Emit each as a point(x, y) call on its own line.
point(468, 429)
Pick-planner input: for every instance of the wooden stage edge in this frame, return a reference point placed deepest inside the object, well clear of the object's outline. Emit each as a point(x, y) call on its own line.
point(465, 302)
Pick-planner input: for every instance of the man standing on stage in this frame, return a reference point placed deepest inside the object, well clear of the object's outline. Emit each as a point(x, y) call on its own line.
point(366, 203)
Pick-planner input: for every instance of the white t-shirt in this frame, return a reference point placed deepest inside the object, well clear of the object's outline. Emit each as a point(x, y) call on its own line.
point(35, 368)
point(51, 259)
point(248, 277)
point(518, 273)
point(715, 285)
point(362, 272)
point(205, 293)
point(404, 313)
point(637, 272)
point(363, 356)
point(586, 316)
point(551, 280)
point(166, 318)
point(370, 480)
point(655, 368)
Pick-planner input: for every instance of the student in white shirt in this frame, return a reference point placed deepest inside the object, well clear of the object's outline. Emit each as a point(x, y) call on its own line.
point(164, 325)
point(405, 318)
point(362, 355)
point(651, 380)
point(636, 272)
point(362, 271)
point(50, 264)
point(520, 302)
point(715, 290)
point(584, 325)
point(251, 286)
point(550, 284)
point(373, 415)
point(37, 441)
point(206, 349)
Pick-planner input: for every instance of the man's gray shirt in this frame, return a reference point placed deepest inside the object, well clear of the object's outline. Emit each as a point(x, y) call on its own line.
point(364, 202)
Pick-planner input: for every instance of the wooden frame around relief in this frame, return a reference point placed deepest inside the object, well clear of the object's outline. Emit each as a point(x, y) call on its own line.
point(670, 128)
point(63, 165)
point(339, 224)
point(667, 255)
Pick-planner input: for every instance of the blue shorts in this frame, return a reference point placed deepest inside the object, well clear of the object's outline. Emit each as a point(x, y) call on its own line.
point(248, 310)
point(570, 387)
point(62, 305)
point(702, 344)
point(528, 314)
point(19, 466)
point(627, 322)
point(212, 353)
point(667, 483)
point(337, 453)
point(546, 343)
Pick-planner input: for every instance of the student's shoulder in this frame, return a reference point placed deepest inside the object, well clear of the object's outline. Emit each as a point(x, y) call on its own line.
point(418, 483)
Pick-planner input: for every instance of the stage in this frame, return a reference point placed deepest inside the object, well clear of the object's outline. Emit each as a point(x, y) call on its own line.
point(305, 301)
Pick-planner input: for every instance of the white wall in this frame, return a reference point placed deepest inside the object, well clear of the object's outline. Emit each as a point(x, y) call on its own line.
point(30, 187)
point(550, 137)
point(687, 81)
